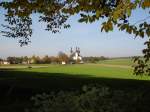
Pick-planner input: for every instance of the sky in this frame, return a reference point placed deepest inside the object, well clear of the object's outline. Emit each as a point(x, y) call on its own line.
point(88, 37)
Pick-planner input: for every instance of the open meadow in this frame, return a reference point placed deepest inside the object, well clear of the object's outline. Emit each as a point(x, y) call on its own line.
point(19, 82)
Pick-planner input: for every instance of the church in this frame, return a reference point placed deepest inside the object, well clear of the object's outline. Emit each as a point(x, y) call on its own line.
point(75, 56)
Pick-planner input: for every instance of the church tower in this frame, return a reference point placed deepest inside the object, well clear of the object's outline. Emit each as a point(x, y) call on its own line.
point(75, 55)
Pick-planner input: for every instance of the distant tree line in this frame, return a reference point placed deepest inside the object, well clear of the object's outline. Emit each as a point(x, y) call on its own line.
point(131, 57)
point(33, 60)
point(50, 59)
point(92, 59)
point(38, 60)
point(15, 60)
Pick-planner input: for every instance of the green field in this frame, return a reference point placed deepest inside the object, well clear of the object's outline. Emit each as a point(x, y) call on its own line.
point(88, 70)
point(18, 82)
point(121, 61)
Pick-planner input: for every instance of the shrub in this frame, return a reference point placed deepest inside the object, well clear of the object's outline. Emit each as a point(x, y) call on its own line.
point(91, 99)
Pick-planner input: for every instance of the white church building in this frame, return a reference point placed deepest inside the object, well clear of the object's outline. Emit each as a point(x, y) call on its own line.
point(75, 55)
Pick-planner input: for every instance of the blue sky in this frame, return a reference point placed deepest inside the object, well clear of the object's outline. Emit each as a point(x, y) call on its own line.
point(88, 37)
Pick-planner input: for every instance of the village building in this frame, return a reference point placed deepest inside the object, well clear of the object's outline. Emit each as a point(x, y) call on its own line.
point(4, 62)
point(30, 61)
point(75, 56)
point(25, 62)
point(63, 62)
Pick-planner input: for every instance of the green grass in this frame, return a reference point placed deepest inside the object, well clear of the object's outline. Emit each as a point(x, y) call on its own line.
point(92, 70)
point(66, 76)
point(125, 61)
point(89, 70)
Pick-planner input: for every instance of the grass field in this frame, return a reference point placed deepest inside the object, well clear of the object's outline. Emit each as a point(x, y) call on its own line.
point(121, 61)
point(88, 70)
point(19, 83)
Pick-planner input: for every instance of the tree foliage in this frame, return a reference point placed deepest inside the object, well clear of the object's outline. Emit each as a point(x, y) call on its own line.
point(56, 12)
point(113, 13)
point(18, 15)
point(94, 59)
point(97, 98)
point(15, 60)
point(62, 57)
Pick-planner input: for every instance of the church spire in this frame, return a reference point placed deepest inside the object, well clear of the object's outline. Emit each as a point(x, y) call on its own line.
point(71, 51)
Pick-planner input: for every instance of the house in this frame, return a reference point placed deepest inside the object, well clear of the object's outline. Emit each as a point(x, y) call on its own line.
point(25, 62)
point(5, 62)
point(75, 56)
point(30, 61)
point(63, 63)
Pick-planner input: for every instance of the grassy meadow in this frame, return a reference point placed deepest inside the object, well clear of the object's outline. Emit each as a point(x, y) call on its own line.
point(18, 82)
point(118, 61)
